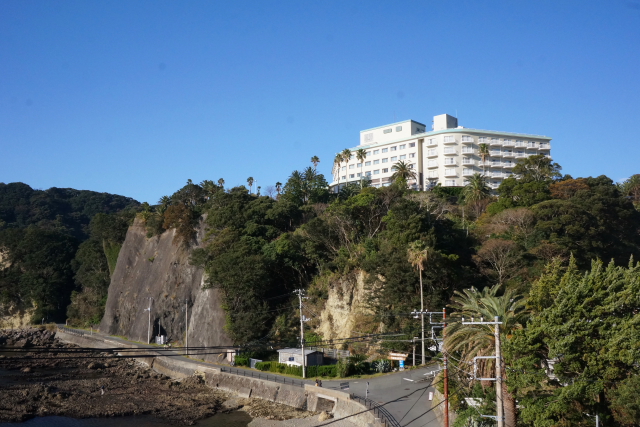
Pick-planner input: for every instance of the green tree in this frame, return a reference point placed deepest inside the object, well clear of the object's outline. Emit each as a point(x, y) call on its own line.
point(419, 256)
point(221, 183)
point(469, 341)
point(585, 330)
point(361, 155)
point(483, 152)
point(402, 173)
point(315, 160)
point(250, 181)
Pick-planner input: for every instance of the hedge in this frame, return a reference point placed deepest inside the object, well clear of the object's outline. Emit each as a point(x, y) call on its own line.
point(242, 361)
point(312, 371)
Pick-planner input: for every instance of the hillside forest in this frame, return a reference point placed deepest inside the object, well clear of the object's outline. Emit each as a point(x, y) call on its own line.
point(553, 256)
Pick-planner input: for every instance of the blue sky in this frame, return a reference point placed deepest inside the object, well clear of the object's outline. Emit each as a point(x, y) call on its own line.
point(136, 97)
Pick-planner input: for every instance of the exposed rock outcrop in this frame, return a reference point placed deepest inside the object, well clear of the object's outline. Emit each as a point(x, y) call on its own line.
point(159, 268)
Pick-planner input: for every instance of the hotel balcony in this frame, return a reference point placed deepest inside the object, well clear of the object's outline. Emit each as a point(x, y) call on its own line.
point(508, 143)
point(495, 164)
point(468, 162)
point(431, 143)
point(467, 140)
point(451, 141)
point(435, 165)
point(496, 142)
point(468, 172)
point(450, 151)
point(508, 164)
point(520, 155)
point(433, 154)
point(507, 153)
point(451, 164)
point(452, 174)
point(467, 150)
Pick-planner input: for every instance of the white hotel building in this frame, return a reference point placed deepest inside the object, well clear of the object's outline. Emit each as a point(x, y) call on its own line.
point(447, 155)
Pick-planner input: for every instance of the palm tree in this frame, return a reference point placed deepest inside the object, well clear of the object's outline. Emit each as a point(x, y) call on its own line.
point(209, 188)
point(250, 181)
point(476, 189)
point(361, 155)
point(402, 172)
point(470, 341)
point(631, 188)
point(484, 154)
point(221, 183)
point(346, 157)
point(278, 187)
point(419, 257)
point(336, 166)
point(315, 160)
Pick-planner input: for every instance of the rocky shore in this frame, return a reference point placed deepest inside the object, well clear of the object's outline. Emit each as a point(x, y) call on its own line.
point(40, 377)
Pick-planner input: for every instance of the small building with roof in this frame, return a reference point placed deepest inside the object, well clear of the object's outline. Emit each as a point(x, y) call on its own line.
point(293, 356)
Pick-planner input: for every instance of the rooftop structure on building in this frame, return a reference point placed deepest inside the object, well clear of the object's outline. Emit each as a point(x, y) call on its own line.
point(447, 154)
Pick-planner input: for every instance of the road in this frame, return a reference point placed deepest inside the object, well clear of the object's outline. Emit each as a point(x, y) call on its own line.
point(405, 395)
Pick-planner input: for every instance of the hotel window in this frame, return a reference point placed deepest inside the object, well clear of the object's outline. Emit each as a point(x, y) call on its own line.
point(432, 152)
point(466, 138)
point(398, 128)
point(450, 183)
point(467, 171)
point(394, 158)
point(352, 176)
point(344, 177)
point(449, 161)
point(531, 144)
point(404, 156)
point(367, 163)
point(449, 171)
point(352, 166)
point(482, 140)
point(344, 168)
point(393, 148)
point(367, 173)
point(495, 152)
point(467, 149)
point(433, 174)
point(385, 160)
point(506, 141)
point(412, 144)
point(467, 161)
point(412, 155)
point(519, 143)
point(384, 150)
point(358, 174)
point(359, 164)
point(375, 162)
point(385, 170)
point(368, 154)
point(495, 141)
point(403, 146)
point(433, 141)
point(353, 156)
point(376, 172)
point(376, 152)
point(449, 139)
point(449, 150)
point(387, 130)
point(433, 163)
point(544, 145)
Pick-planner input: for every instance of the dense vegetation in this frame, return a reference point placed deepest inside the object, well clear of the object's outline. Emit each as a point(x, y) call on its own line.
point(534, 255)
point(55, 243)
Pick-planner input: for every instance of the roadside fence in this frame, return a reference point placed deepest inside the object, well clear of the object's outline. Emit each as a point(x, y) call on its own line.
point(379, 411)
point(263, 376)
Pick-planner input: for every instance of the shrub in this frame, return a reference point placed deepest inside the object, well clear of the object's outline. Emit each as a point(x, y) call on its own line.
point(344, 368)
point(382, 365)
point(242, 361)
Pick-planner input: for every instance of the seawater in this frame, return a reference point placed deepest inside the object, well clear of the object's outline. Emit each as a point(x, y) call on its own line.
point(232, 419)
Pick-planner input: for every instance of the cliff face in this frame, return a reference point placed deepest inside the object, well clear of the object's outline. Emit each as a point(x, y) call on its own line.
point(345, 312)
point(160, 269)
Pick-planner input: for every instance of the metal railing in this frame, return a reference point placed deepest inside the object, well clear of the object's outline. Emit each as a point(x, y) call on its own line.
point(379, 411)
point(263, 376)
point(71, 331)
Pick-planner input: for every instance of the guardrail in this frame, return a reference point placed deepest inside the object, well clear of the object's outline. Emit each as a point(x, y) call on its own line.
point(263, 376)
point(71, 331)
point(379, 411)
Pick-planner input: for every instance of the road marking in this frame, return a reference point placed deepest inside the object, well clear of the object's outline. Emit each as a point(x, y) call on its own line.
point(409, 379)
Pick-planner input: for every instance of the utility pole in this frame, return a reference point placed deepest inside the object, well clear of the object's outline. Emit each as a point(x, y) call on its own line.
point(414, 350)
point(498, 376)
point(186, 325)
point(149, 328)
point(304, 362)
point(446, 369)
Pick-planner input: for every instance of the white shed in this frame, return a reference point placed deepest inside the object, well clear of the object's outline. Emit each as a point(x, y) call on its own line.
point(293, 356)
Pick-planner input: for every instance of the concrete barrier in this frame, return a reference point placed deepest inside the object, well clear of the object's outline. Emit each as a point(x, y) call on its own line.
point(309, 397)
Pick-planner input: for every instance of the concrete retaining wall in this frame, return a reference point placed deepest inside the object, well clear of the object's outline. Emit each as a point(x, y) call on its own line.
point(310, 397)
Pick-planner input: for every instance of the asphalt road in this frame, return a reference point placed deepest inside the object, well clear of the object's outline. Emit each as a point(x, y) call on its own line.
point(405, 395)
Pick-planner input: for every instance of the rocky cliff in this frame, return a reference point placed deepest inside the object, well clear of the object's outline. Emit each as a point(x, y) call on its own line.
point(156, 272)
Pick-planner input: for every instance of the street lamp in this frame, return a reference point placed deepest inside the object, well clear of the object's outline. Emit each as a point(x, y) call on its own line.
point(149, 328)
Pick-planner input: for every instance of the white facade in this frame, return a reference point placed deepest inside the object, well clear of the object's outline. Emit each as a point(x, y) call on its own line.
point(447, 155)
